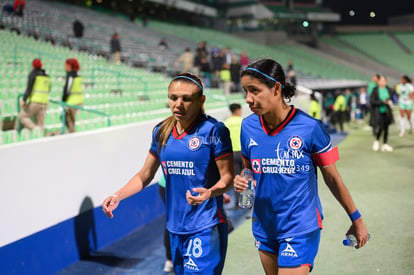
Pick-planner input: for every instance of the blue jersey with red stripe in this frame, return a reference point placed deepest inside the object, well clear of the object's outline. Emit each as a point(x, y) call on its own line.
point(188, 161)
point(284, 164)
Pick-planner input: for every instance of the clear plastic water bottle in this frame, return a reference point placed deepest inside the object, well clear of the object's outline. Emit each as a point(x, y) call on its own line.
point(351, 240)
point(246, 199)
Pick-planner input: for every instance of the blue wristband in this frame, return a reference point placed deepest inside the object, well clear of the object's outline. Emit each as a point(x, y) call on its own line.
point(355, 216)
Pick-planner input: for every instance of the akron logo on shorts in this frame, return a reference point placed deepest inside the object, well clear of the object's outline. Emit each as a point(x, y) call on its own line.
point(295, 142)
point(194, 143)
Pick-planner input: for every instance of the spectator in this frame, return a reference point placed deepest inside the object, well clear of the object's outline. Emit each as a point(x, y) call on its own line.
point(202, 49)
point(205, 72)
point(339, 109)
point(37, 93)
point(381, 114)
point(78, 28)
point(348, 105)
point(315, 107)
point(227, 55)
point(363, 101)
point(144, 20)
point(8, 8)
point(187, 59)
point(217, 60)
point(115, 45)
point(289, 66)
point(72, 92)
point(163, 45)
point(235, 69)
point(406, 92)
point(225, 77)
point(292, 77)
point(18, 7)
point(197, 62)
point(244, 59)
point(373, 83)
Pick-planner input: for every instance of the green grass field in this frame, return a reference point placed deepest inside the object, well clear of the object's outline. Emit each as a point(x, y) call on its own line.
point(382, 186)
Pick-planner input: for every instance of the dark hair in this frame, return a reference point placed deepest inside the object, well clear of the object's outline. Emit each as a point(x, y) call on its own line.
point(313, 97)
point(234, 107)
point(407, 78)
point(270, 71)
point(189, 78)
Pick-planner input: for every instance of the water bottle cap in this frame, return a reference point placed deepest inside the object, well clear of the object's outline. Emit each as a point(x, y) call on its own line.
point(346, 242)
point(247, 172)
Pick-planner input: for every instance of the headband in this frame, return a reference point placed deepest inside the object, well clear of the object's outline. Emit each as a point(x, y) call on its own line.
point(265, 75)
point(189, 78)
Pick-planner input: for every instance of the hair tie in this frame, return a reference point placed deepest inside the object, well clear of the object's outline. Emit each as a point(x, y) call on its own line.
point(189, 78)
point(265, 75)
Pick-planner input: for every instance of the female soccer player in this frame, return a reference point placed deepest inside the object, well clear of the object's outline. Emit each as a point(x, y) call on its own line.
point(282, 146)
point(405, 102)
point(196, 156)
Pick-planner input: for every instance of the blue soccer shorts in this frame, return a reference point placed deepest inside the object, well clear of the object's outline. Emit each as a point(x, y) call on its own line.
point(203, 252)
point(293, 252)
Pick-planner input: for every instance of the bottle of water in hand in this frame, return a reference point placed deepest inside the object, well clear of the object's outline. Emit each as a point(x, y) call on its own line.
point(246, 199)
point(351, 240)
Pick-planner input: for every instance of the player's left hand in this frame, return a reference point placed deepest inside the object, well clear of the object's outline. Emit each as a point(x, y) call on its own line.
point(359, 230)
point(203, 194)
point(226, 199)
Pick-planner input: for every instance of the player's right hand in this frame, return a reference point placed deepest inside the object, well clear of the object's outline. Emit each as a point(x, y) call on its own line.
point(240, 184)
point(110, 204)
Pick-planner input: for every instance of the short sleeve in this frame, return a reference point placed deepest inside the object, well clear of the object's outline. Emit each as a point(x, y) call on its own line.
point(220, 138)
point(322, 151)
point(154, 143)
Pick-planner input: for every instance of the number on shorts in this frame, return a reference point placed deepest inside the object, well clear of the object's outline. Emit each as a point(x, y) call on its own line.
point(194, 248)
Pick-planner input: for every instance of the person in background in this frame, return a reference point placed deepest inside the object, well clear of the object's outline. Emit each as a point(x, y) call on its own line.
point(283, 146)
point(187, 59)
point(405, 91)
point(233, 123)
point(373, 83)
point(235, 68)
point(72, 92)
point(363, 101)
point(163, 45)
point(244, 59)
point(18, 7)
point(36, 97)
point(205, 72)
point(381, 114)
point(195, 153)
point(339, 109)
point(227, 56)
point(168, 265)
point(115, 46)
point(315, 107)
point(78, 28)
point(225, 77)
point(348, 105)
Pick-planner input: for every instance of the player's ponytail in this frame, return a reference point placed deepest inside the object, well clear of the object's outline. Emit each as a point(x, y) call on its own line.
point(270, 72)
point(165, 130)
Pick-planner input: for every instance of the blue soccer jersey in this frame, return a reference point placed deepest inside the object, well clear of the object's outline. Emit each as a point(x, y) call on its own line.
point(188, 161)
point(284, 163)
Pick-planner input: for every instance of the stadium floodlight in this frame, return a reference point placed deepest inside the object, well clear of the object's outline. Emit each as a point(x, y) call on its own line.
point(351, 13)
point(372, 14)
point(305, 24)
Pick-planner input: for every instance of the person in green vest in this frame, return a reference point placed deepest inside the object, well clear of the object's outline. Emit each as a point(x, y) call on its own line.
point(225, 77)
point(233, 123)
point(373, 83)
point(35, 98)
point(339, 109)
point(381, 114)
point(315, 107)
point(72, 92)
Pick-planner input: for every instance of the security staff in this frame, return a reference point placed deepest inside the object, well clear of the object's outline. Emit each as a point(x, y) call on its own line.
point(72, 92)
point(35, 98)
point(315, 107)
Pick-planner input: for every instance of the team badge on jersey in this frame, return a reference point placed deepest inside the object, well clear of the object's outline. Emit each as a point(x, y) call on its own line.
point(194, 143)
point(256, 166)
point(295, 142)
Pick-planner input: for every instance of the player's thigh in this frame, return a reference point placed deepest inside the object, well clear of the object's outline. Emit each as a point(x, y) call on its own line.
point(269, 262)
point(301, 270)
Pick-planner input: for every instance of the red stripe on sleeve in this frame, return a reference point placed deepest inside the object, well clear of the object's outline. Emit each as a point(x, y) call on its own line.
point(224, 155)
point(319, 219)
point(154, 155)
point(326, 158)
